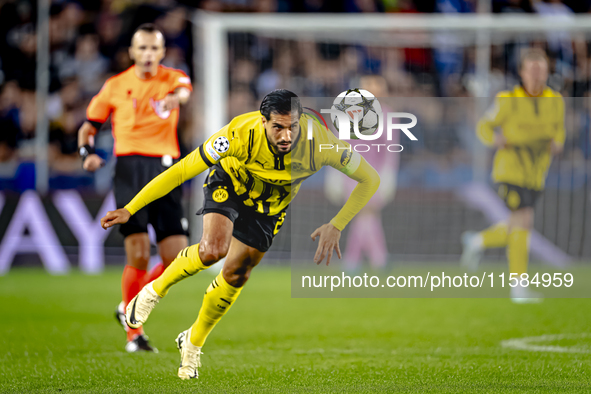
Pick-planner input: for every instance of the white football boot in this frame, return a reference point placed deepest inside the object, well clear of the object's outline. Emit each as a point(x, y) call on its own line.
point(190, 356)
point(120, 315)
point(140, 343)
point(471, 251)
point(523, 295)
point(140, 307)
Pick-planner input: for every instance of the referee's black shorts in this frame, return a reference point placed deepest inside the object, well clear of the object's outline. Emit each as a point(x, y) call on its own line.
point(252, 228)
point(132, 173)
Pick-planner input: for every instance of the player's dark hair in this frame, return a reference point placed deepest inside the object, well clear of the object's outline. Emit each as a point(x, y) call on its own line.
point(279, 101)
point(148, 28)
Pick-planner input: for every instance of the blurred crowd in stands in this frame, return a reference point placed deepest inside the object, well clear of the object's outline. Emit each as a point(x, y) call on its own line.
point(88, 44)
point(89, 41)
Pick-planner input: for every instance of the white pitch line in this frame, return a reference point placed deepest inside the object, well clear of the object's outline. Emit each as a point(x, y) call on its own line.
point(531, 343)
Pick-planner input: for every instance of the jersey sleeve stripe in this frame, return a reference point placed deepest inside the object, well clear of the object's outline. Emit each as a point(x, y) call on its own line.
point(204, 156)
point(312, 166)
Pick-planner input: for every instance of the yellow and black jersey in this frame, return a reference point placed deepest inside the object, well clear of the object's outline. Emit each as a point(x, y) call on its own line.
point(529, 125)
point(267, 181)
point(270, 179)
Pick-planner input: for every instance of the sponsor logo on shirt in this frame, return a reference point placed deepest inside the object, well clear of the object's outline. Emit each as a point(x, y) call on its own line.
point(209, 149)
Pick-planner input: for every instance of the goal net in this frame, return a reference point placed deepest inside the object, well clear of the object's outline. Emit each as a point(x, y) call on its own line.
point(447, 69)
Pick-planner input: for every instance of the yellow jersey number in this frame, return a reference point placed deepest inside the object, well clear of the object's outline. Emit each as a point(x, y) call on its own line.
point(279, 223)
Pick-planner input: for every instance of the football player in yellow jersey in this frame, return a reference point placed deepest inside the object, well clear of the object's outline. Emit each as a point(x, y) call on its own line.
point(526, 126)
point(256, 165)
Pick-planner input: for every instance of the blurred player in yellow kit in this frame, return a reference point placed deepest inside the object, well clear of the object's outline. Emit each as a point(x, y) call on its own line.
point(526, 126)
point(256, 166)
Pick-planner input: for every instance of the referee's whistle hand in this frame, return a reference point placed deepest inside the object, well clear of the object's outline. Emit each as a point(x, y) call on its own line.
point(118, 216)
point(93, 162)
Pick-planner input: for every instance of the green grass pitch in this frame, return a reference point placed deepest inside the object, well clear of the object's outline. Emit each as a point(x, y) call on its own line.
point(58, 334)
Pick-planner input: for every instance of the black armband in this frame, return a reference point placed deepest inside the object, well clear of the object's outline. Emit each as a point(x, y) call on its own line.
point(95, 124)
point(204, 156)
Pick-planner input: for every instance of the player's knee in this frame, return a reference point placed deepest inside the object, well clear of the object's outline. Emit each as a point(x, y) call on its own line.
point(138, 258)
point(211, 252)
point(237, 274)
point(237, 278)
point(167, 257)
point(169, 254)
point(526, 223)
point(137, 250)
point(170, 247)
point(522, 218)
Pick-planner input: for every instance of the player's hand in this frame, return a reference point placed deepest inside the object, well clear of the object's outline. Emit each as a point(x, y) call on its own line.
point(93, 162)
point(555, 149)
point(329, 241)
point(500, 141)
point(170, 102)
point(119, 216)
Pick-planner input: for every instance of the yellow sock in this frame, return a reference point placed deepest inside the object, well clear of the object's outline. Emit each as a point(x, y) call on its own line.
point(186, 263)
point(219, 297)
point(495, 236)
point(518, 250)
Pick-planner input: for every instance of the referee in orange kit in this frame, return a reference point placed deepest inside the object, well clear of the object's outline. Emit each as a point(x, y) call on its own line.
point(143, 103)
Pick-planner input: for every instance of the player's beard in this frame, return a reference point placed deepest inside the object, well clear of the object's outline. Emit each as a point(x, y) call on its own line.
point(283, 152)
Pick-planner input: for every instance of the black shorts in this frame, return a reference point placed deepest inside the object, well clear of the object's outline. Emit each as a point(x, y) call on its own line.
point(132, 173)
point(517, 197)
point(250, 227)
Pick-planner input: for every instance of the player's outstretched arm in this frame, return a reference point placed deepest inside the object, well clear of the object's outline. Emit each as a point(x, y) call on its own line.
point(368, 182)
point(119, 216)
point(189, 167)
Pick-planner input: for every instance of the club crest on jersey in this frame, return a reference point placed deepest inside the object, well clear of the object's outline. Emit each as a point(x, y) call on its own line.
point(220, 195)
point(221, 144)
point(158, 106)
